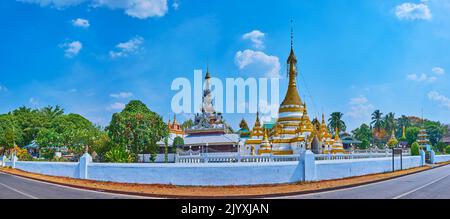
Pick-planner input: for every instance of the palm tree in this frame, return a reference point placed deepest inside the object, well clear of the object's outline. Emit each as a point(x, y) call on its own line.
point(377, 121)
point(51, 112)
point(389, 122)
point(335, 121)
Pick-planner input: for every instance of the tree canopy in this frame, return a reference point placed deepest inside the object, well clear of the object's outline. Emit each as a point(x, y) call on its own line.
point(138, 129)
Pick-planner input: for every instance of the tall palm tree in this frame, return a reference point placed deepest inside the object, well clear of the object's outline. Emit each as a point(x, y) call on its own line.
point(389, 122)
point(335, 121)
point(52, 112)
point(377, 120)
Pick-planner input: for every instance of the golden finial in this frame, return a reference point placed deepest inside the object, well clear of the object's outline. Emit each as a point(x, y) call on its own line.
point(208, 76)
point(292, 34)
point(403, 132)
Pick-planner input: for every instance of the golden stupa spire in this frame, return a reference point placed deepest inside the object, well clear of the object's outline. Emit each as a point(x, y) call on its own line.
point(403, 132)
point(174, 119)
point(292, 97)
point(257, 122)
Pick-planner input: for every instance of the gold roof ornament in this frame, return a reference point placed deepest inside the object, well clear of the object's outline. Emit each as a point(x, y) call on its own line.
point(265, 144)
point(257, 131)
point(307, 124)
point(292, 97)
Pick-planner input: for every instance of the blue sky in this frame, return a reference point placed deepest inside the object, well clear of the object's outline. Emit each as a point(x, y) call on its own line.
point(355, 56)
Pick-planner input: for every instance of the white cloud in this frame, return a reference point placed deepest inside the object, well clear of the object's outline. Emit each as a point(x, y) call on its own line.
point(80, 22)
point(412, 11)
point(116, 106)
point(72, 49)
point(438, 70)
point(259, 61)
point(442, 100)
point(141, 9)
point(360, 108)
point(256, 37)
point(124, 49)
point(121, 95)
point(421, 78)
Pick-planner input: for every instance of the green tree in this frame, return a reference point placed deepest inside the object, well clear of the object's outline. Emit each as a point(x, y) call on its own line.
point(138, 129)
point(30, 122)
point(187, 124)
point(177, 142)
point(335, 121)
point(411, 134)
point(10, 132)
point(415, 149)
point(166, 149)
point(365, 144)
point(51, 112)
point(447, 150)
point(435, 131)
point(363, 133)
point(440, 146)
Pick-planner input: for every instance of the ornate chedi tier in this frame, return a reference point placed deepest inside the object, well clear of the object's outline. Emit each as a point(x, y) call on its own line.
point(337, 147)
point(174, 127)
point(293, 132)
point(285, 133)
point(291, 107)
point(423, 137)
point(326, 137)
point(244, 131)
point(265, 147)
point(256, 135)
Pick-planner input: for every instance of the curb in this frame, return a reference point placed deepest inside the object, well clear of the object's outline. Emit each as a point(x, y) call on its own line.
point(275, 195)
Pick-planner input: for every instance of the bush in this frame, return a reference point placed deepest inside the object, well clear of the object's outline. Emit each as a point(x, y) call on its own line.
point(118, 154)
point(415, 149)
point(447, 150)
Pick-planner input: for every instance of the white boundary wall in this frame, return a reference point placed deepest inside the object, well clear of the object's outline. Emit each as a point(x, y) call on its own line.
point(221, 174)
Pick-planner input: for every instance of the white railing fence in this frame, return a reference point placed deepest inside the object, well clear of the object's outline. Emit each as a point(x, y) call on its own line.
point(235, 158)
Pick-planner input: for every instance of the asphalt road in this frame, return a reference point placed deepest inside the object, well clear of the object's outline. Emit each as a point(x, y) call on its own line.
point(431, 184)
point(14, 187)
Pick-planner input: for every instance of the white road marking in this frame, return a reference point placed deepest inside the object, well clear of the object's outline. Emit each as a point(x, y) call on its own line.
point(421, 187)
point(78, 189)
point(20, 192)
point(351, 188)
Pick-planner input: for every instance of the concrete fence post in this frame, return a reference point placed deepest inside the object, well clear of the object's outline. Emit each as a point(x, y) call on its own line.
point(309, 163)
point(14, 160)
point(422, 157)
point(4, 161)
point(432, 156)
point(83, 166)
